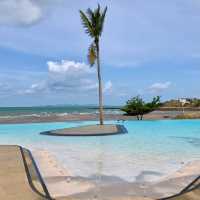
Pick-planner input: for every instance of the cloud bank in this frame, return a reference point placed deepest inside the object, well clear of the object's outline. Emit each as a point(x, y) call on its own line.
point(68, 77)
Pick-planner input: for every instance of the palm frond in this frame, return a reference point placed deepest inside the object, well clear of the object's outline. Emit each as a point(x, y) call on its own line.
point(97, 12)
point(87, 24)
point(92, 54)
point(103, 19)
point(93, 21)
point(90, 14)
point(96, 21)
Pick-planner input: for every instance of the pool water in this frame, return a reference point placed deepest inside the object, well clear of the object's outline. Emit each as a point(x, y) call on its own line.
point(157, 147)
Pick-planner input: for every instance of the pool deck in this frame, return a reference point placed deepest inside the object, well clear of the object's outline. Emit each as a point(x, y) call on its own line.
point(89, 130)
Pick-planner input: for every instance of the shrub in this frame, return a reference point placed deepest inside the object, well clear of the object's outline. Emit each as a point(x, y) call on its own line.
point(137, 107)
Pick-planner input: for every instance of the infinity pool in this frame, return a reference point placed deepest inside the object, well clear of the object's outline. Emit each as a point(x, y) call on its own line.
point(154, 147)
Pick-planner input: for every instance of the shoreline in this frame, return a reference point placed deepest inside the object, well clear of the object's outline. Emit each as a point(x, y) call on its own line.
point(69, 118)
point(156, 115)
point(61, 182)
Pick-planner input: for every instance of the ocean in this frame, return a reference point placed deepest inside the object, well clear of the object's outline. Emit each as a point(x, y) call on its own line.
point(7, 112)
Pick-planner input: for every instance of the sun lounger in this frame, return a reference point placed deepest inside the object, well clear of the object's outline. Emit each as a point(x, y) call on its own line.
point(19, 176)
point(191, 192)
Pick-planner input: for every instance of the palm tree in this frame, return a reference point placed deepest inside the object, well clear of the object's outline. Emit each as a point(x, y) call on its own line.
point(93, 21)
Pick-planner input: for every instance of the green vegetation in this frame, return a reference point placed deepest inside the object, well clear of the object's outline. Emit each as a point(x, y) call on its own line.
point(137, 107)
point(93, 22)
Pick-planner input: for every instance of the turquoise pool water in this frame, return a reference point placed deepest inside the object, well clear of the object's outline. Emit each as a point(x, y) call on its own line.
point(155, 147)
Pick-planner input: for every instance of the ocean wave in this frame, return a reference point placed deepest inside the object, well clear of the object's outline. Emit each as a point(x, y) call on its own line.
point(19, 116)
point(62, 114)
point(48, 112)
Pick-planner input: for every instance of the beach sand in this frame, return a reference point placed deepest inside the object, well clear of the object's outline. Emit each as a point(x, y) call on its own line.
point(53, 117)
point(61, 183)
point(80, 117)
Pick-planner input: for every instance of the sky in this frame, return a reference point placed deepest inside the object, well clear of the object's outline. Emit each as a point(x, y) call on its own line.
point(148, 48)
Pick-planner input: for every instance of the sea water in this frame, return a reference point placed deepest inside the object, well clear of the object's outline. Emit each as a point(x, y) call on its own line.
point(153, 148)
point(10, 112)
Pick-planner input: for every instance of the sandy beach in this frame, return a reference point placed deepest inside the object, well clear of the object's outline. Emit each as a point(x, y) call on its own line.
point(79, 117)
point(61, 182)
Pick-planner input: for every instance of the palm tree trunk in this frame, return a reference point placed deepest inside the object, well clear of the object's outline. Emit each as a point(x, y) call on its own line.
point(100, 86)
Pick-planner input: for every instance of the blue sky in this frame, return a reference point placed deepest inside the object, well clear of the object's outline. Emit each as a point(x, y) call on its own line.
point(147, 48)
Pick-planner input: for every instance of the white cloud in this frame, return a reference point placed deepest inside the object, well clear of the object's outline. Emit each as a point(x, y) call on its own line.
point(19, 12)
point(70, 76)
point(23, 12)
point(66, 77)
point(159, 87)
point(34, 88)
point(108, 87)
point(69, 68)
